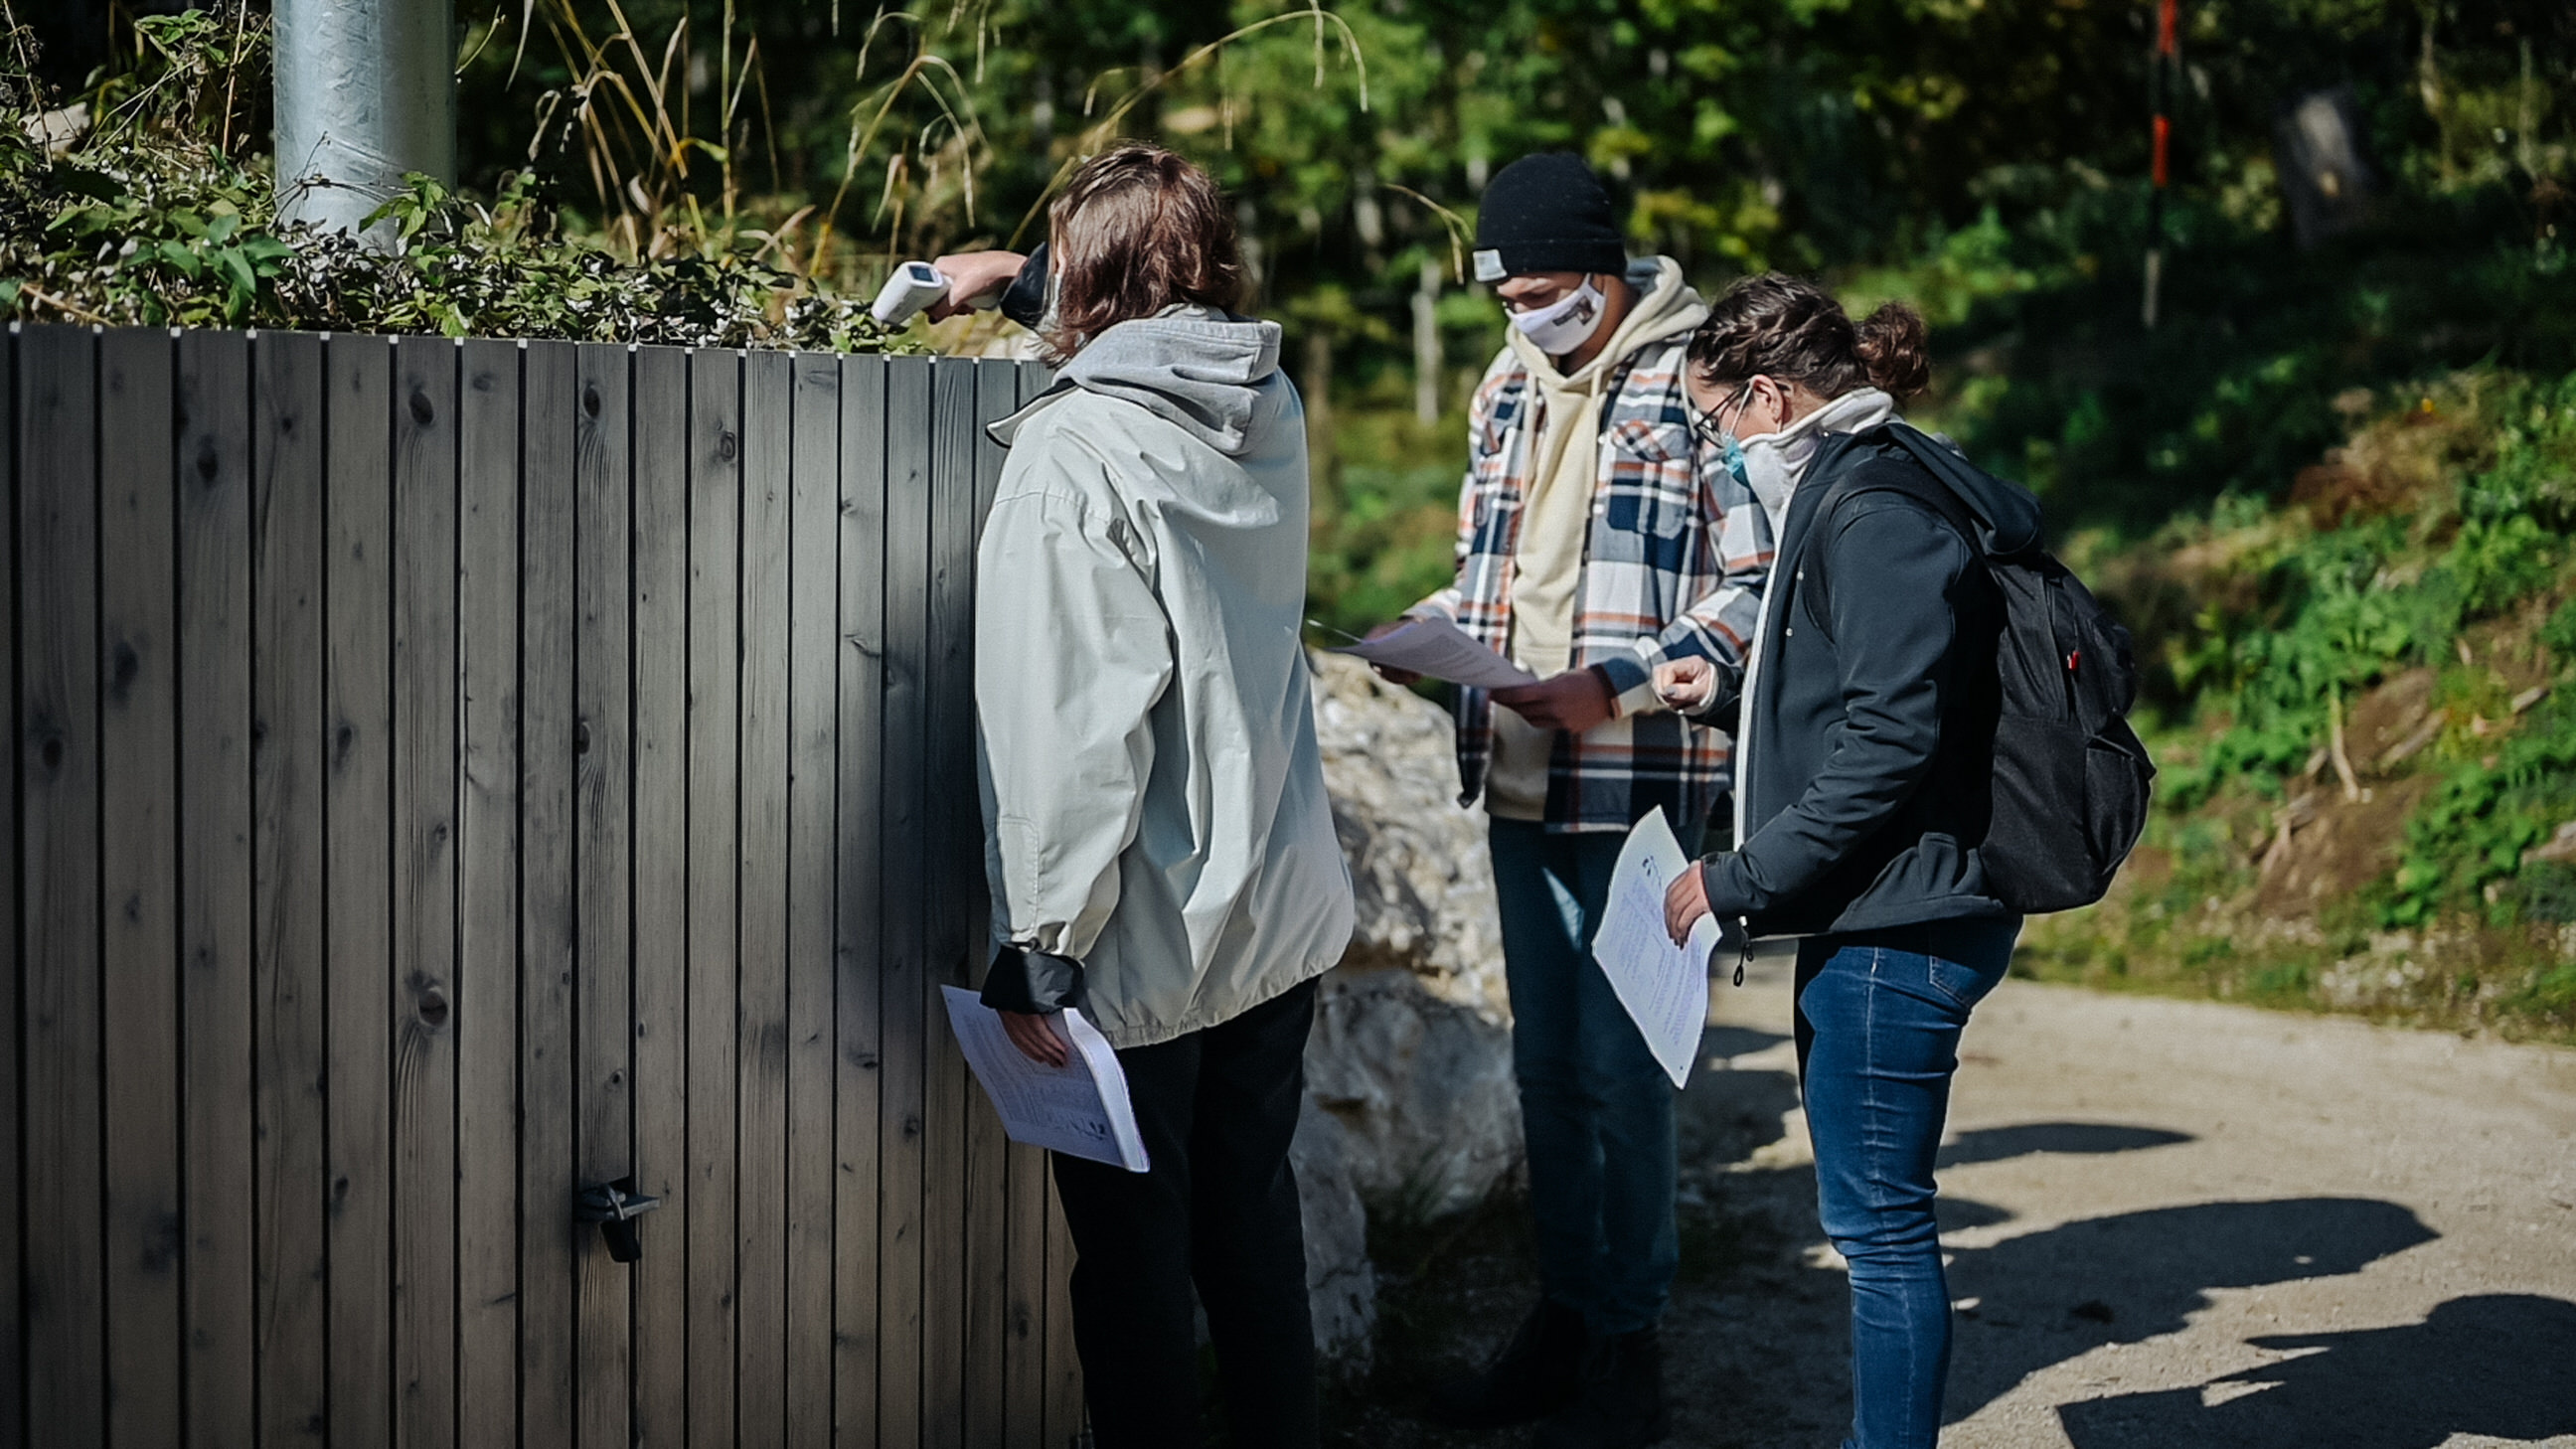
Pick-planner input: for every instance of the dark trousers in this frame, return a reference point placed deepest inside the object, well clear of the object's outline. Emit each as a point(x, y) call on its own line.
point(1216, 1109)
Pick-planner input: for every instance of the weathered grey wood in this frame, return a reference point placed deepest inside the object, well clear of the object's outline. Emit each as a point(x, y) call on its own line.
point(1061, 1371)
point(952, 830)
point(425, 708)
point(985, 1395)
point(487, 936)
point(58, 970)
point(904, 843)
point(358, 886)
point(603, 799)
point(548, 1236)
point(813, 588)
point(215, 925)
point(139, 878)
point(661, 612)
point(565, 767)
point(13, 1381)
point(760, 1212)
point(1023, 1298)
point(715, 661)
point(288, 857)
point(858, 960)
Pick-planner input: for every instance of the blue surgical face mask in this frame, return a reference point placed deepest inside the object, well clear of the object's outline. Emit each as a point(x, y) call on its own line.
point(1729, 447)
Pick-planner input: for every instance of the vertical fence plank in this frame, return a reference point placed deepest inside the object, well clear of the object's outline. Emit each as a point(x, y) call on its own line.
point(546, 932)
point(13, 1384)
point(425, 855)
point(1062, 1369)
point(814, 501)
point(215, 924)
point(139, 878)
point(903, 847)
point(486, 1004)
point(661, 640)
point(58, 966)
point(760, 1210)
point(715, 659)
point(949, 837)
point(358, 886)
point(602, 800)
point(1023, 1299)
point(858, 961)
point(988, 1195)
point(287, 868)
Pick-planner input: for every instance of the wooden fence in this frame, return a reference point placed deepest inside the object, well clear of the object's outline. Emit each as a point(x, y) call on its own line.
point(451, 775)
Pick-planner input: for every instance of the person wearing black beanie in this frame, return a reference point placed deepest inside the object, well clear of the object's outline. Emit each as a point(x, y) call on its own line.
point(1599, 537)
point(1547, 213)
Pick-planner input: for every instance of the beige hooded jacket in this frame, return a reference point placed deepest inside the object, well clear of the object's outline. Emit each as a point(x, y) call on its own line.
point(1159, 844)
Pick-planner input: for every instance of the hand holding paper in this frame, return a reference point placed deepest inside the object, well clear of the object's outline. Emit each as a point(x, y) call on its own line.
point(1664, 986)
point(1430, 644)
point(1079, 1109)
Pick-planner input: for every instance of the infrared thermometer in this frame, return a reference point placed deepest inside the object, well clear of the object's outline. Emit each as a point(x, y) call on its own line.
point(913, 286)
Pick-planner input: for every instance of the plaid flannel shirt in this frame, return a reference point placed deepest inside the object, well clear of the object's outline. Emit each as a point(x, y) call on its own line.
point(1674, 567)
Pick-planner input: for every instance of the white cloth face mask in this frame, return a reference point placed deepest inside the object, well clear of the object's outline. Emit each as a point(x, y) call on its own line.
point(1567, 323)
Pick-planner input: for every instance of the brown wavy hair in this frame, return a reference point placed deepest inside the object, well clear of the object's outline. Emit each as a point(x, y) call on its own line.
point(1793, 331)
point(1138, 229)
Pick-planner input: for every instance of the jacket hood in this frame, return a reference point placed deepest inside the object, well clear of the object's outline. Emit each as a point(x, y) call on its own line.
point(1201, 370)
point(2007, 514)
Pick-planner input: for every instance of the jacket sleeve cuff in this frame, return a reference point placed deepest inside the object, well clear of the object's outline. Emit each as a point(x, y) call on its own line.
point(1722, 876)
point(1632, 683)
point(1024, 300)
point(1032, 981)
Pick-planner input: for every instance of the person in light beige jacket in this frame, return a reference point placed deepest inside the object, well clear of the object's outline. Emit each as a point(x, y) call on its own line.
point(1160, 846)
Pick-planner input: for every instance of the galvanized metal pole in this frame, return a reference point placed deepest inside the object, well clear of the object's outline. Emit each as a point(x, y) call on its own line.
point(366, 93)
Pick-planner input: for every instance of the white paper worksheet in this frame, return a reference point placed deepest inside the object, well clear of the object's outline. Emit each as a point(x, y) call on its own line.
point(1429, 644)
point(1664, 986)
point(1079, 1109)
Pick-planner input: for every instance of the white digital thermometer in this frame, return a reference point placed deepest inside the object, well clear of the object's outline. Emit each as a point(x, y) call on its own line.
point(913, 286)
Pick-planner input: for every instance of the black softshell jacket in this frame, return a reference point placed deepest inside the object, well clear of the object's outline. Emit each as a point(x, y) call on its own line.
point(1866, 767)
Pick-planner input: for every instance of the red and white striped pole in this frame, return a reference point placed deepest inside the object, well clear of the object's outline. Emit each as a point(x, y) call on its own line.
point(2167, 60)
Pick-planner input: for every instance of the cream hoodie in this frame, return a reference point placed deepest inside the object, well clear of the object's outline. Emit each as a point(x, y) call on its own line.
point(1567, 459)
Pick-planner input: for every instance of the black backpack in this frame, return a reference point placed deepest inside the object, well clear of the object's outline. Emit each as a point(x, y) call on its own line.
point(2071, 779)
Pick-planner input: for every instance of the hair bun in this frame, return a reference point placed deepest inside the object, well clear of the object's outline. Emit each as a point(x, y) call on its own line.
point(1891, 344)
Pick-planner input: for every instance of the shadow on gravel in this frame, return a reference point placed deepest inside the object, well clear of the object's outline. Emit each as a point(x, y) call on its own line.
point(2048, 1296)
point(2088, 1139)
point(2494, 1366)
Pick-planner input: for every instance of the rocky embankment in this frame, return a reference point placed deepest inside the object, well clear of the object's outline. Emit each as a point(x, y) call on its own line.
point(1408, 1078)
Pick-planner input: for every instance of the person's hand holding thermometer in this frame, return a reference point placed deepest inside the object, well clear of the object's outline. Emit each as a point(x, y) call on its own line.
point(949, 287)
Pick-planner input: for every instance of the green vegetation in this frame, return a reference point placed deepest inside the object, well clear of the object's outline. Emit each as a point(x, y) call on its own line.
point(159, 211)
point(2333, 488)
point(2368, 728)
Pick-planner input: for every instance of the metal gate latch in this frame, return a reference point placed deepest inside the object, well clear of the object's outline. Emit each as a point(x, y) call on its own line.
point(615, 1206)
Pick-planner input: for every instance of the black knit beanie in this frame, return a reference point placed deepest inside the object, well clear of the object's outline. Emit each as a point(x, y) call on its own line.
point(1546, 213)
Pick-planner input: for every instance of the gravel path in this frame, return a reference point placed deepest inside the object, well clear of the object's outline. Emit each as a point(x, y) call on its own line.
point(2184, 1223)
point(2171, 1224)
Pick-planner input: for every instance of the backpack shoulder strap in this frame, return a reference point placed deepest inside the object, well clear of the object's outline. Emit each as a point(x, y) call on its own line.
point(1874, 471)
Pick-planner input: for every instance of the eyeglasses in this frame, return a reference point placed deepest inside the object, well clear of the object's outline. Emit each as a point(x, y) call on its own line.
point(1707, 428)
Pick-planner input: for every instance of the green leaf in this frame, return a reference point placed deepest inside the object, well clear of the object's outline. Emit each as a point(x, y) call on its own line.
point(237, 275)
point(9, 293)
point(181, 256)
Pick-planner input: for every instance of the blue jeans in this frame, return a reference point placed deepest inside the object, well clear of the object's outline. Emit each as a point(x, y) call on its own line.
point(1596, 1109)
point(1879, 1016)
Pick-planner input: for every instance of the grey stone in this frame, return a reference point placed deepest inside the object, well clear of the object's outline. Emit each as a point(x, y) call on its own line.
point(1408, 1076)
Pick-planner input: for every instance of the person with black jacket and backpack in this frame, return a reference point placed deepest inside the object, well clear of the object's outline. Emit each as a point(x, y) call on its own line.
point(1866, 724)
